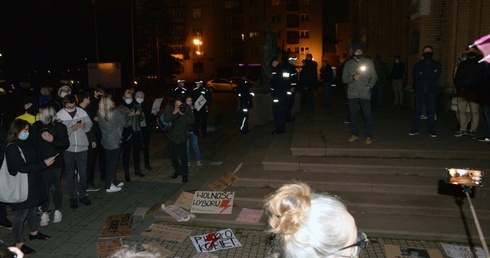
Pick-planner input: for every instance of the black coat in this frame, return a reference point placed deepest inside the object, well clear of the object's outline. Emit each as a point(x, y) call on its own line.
point(46, 149)
point(16, 164)
point(425, 75)
point(469, 75)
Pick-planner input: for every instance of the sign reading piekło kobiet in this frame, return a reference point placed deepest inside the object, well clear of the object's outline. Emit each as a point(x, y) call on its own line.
point(212, 202)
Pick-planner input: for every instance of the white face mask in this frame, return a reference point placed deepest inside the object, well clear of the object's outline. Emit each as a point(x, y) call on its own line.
point(128, 101)
point(139, 100)
point(63, 94)
point(70, 109)
point(189, 103)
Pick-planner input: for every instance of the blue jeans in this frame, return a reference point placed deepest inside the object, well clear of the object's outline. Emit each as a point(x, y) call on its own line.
point(76, 161)
point(18, 224)
point(429, 99)
point(192, 142)
point(51, 179)
point(365, 106)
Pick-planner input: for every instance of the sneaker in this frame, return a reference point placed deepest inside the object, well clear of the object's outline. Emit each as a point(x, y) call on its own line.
point(412, 133)
point(199, 163)
point(472, 135)
point(57, 217)
point(369, 140)
point(353, 138)
point(484, 139)
point(188, 164)
point(92, 188)
point(44, 220)
point(346, 121)
point(423, 117)
point(85, 201)
point(460, 133)
point(113, 189)
point(433, 135)
point(120, 184)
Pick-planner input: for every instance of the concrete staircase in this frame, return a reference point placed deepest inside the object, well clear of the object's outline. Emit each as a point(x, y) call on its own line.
point(393, 188)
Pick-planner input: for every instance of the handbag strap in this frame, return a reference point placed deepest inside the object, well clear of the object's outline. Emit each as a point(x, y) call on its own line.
point(21, 152)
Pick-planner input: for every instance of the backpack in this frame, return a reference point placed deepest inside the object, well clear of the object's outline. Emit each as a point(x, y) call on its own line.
point(162, 125)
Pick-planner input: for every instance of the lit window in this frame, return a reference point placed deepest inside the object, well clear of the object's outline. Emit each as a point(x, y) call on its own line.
point(253, 34)
point(304, 34)
point(304, 17)
point(243, 37)
point(304, 50)
point(197, 31)
point(197, 14)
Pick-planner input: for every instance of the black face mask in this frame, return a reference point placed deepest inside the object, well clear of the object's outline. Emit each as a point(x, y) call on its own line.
point(358, 56)
point(471, 54)
point(427, 55)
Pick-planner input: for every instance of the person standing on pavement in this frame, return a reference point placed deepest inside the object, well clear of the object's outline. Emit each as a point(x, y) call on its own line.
point(57, 101)
point(4, 221)
point(425, 73)
point(84, 102)
point(383, 73)
point(134, 117)
point(180, 90)
point(309, 82)
point(484, 94)
point(99, 150)
point(360, 76)
point(21, 158)
point(281, 83)
point(397, 73)
point(245, 104)
point(307, 224)
point(467, 81)
point(202, 100)
point(294, 80)
point(326, 75)
point(32, 109)
point(146, 126)
point(78, 123)
point(49, 138)
point(111, 122)
point(192, 141)
point(180, 115)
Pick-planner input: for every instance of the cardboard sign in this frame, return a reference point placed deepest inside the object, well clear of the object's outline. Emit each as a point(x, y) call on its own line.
point(200, 102)
point(456, 251)
point(118, 226)
point(212, 202)
point(184, 200)
point(155, 108)
point(167, 233)
point(154, 208)
point(178, 213)
point(105, 249)
point(221, 183)
point(215, 241)
point(396, 251)
point(250, 215)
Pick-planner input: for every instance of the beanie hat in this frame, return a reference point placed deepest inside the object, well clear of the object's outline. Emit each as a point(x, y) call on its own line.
point(356, 46)
point(139, 93)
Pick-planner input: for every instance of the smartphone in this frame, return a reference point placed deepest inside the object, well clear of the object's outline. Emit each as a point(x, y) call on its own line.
point(79, 122)
point(56, 155)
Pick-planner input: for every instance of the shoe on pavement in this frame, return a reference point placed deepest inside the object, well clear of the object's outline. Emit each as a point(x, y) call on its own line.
point(26, 250)
point(175, 175)
point(199, 163)
point(353, 138)
point(460, 133)
point(412, 133)
point(472, 135)
point(433, 135)
point(85, 201)
point(484, 139)
point(120, 184)
point(57, 217)
point(44, 219)
point(38, 236)
point(188, 164)
point(369, 140)
point(92, 188)
point(139, 174)
point(185, 179)
point(113, 189)
point(423, 117)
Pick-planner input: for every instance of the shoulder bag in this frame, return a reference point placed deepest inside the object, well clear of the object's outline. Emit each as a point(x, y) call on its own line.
point(13, 189)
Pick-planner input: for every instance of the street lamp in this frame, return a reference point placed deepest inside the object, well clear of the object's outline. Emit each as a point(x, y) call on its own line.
point(198, 42)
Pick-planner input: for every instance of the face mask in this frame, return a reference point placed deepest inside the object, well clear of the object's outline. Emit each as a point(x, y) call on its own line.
point(139, 100)
point(358, 56)
point(463, 59)
point(23, 136)
point(471, 54)
point(41, 118)
point(128, 101)
point(69, 110)
point(189, 103)
point(63, 94)
point(427, 55)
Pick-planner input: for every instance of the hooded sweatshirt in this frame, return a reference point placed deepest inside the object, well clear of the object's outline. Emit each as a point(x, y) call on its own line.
point(78, 139)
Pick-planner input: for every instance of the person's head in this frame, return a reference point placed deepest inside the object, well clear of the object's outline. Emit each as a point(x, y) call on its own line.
point(63, 91)
point(31, 105)
point(309, 57)
point(176, 102)
point(397, 59)
point(311, 225)
point(463, 57)
point(48, 115)
point(324, 63)
point(106, 106)
point(180, 83)
point(472, 52)
point(18, 131)
point(128, 96)
point(357, 50)
point(70, 103)
point(142, 251)
point(83, 99)
point(274, 62)
point(188, 101)
point(428, 52)
point(199, 84)
point(99, 91)
point(292, 60)
point(139, 96)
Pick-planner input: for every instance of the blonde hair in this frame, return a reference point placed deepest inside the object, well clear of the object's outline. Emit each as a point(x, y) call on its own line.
point(106, 107)
point(49, 114)
point(142, 251)
point(306, 224)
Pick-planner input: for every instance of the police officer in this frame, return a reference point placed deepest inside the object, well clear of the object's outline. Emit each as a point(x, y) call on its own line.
point(180, 91)
point(293, 80)
point(280, 83)
point(245, 98)
point(202, 100)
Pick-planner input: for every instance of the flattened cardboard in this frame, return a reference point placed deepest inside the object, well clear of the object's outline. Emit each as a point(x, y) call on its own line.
point(185, 200)
point(221, 183)
point(118, 226)
point(396, 251)
point(166, 232)
point(107, 248)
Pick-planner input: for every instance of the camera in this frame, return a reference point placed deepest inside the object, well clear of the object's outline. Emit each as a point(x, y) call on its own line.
point(182, 108)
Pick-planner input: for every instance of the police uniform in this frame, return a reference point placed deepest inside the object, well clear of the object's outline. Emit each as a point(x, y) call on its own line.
point(180, 91)
point(245, 99)
point(291, 91)
point(280, 83)
point(201, 115)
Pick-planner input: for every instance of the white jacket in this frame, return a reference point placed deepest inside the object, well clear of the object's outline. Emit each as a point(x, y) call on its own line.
point(78, 139)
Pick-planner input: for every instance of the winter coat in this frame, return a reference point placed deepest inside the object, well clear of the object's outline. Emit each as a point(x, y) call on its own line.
point(425, 76)
point(179, 131)
point(78, 139)
point(16, 164)
point(112, 129)
point(46, 149)
point(133, 121)
point(469, 75)
point(361, 88)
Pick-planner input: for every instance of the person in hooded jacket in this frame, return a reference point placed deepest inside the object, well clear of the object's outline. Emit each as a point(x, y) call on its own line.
point(50, 138)
point(32, 110)
point(21, 158)
point(57, 101)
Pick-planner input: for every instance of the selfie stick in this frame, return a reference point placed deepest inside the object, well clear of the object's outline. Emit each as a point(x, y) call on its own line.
point(466, 190)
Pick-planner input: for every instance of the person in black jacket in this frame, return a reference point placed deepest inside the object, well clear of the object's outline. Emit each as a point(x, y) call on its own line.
point(397, 73)
point(21, 158)
point(146, 126)
point(180, 115)
point(4, 221)
point(326, 74)
point(50, 137)
point(245, 104)
point(99, 150)
point(201, 105)
point(308, 79)
point(425, 73)
point(467, 81)
point(84, 103)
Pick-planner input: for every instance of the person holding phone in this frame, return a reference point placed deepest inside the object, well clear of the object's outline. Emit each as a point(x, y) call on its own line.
point(50, 139)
